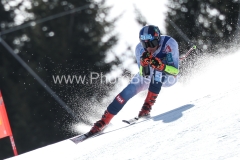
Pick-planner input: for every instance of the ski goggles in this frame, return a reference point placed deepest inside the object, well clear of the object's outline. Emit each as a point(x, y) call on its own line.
point(149, 43)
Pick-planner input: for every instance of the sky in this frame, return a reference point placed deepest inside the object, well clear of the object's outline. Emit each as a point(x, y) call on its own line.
point(198, 120)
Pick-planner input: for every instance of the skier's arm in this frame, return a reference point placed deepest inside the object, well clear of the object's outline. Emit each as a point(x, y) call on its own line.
point(171, 70)
point(145, 58)
point(172, 65)
point(157, 64)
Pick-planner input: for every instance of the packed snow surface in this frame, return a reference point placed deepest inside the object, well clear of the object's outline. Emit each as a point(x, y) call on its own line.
point(197, 120)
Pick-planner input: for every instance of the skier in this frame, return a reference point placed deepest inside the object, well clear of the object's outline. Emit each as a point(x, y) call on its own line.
point(158, 59)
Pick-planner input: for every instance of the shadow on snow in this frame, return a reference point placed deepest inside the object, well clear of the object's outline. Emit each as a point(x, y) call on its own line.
point(172, 115)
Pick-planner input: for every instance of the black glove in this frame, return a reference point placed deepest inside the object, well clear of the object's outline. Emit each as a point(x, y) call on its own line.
point(157, 64)
point(145, 58)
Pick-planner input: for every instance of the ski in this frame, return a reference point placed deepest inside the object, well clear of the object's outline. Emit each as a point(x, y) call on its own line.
point(83, 137)
point(79, 138)
point(136, 119)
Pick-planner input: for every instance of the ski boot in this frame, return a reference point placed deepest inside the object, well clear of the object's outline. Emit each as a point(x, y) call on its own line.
point(101, 124)
point(147, 106)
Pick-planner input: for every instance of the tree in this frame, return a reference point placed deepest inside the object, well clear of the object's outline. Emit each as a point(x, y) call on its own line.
point(208, 23)
point(75, 44)
point(8, 71)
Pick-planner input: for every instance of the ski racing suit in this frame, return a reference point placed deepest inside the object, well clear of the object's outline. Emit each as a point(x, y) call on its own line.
point(168, 53)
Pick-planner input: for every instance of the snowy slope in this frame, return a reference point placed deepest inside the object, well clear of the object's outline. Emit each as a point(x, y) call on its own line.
point(200, 120)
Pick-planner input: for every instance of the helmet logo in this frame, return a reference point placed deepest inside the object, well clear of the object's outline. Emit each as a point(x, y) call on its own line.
point(146, 37)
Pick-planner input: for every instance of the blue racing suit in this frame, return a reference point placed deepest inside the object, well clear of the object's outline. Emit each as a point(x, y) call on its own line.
point(169, 55)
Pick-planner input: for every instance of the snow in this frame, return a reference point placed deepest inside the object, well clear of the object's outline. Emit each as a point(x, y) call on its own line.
point(200, 120)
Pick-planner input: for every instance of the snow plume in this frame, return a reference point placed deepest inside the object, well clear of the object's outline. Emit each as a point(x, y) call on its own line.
point(90, 109)
point(87, 87)
point(212, 73)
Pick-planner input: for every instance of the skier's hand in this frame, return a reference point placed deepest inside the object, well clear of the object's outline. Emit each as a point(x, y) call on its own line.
point(145, 58)
point(157, 64)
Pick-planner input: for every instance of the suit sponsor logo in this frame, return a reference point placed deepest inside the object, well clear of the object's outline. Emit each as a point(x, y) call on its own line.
point(120, 99)
point(170, 59)
point(167, 49)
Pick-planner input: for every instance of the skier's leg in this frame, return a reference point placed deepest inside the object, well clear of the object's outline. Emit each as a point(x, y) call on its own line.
point(153, 91)
point(137, 84)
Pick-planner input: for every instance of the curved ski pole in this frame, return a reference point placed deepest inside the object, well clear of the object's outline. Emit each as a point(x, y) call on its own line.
point(188, 52)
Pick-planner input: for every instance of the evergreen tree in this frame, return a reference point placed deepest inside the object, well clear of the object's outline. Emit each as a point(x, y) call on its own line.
point(74, 44)
point(210, 24)
point(8, 73)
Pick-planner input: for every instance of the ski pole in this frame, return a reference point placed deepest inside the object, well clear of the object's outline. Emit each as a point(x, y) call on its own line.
point(188, 52)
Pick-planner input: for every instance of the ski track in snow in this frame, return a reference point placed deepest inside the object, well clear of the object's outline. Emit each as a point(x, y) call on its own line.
point(202, 123)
